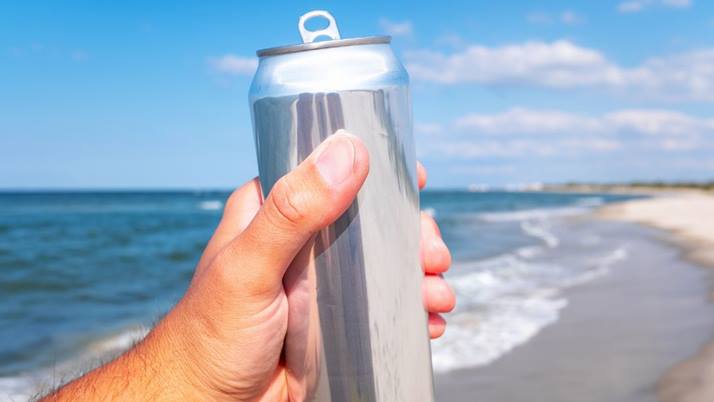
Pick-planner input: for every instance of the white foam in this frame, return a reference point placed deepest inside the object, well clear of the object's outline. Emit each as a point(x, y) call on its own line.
point(599, 267)
point(616, 255)
point(27, 386)
point(211, 205)
point(502, 276)
point(500, 307)
point(540, 231)
point(118, 342)
point(16, 389)
point(529, 252)
point(430, 211)
point(590, 201)
point(506, 300)
point(537, 213)
point(478, 339)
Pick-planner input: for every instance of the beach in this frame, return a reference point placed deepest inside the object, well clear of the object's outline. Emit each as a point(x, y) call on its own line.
point(561, 296)
point(687, 215)
point(640, 333)
point(689, 218)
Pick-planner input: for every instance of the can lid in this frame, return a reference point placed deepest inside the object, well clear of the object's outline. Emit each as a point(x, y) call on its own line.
point(331, 31)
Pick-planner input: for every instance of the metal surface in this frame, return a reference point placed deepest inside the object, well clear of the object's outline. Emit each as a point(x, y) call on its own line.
point(323, 45)
point(330, 31)
point(357, 327)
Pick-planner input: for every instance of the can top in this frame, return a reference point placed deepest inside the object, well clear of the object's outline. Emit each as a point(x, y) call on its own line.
point(331, 31)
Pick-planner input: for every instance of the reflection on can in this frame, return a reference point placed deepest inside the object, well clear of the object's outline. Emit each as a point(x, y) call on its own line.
point(357, 328)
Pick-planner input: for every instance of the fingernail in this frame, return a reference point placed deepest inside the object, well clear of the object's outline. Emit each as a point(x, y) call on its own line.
point(335, 161)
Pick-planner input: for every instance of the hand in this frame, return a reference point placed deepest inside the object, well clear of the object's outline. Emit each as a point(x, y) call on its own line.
point(223, 340)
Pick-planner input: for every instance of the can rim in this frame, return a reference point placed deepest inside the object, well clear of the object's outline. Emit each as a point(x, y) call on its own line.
point(367, 40)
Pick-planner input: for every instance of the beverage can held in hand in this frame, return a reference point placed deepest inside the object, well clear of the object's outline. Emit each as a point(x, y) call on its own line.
point(357, 327)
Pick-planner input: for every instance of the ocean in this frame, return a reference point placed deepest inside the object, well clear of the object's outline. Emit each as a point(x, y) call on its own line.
point(83, 274)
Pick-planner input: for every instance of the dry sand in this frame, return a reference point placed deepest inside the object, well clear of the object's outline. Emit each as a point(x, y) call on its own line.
point(689, 216)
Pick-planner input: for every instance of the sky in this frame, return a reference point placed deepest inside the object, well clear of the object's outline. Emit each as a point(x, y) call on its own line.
point(138, 94)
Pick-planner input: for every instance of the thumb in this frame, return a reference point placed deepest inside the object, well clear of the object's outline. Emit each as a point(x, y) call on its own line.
point(301, 203)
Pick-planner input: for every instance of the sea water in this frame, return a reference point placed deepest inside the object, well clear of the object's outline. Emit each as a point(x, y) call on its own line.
point(83, 275)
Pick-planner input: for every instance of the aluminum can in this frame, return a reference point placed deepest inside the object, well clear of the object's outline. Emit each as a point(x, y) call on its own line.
point(357, 327)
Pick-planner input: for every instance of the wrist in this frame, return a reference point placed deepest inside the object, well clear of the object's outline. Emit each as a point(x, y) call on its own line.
point(172, 349)
point(157, 369)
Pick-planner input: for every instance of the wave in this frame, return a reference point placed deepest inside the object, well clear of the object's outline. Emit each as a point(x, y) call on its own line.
point(430, 211)
point(529, 252)
point(536, 213)
point(541, 232)
point(477, 339)
point(590, 201)
point(211, 205)
point(18, 389)
point(118, 342)
point(28, 386)
point(506, 300)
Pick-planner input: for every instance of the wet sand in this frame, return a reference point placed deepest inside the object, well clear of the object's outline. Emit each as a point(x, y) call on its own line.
point(689, 219)
point(614, 340)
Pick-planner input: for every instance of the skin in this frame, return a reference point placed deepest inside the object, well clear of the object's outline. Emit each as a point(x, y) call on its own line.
point(224, 338)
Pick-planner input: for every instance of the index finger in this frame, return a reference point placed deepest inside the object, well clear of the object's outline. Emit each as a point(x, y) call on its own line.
point(239, 211)
point(421, 175)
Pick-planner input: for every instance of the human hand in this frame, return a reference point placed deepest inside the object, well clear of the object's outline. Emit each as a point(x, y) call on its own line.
point(224, 339)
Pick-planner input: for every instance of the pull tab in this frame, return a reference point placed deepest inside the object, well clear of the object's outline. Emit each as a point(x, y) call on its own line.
point(310, 36)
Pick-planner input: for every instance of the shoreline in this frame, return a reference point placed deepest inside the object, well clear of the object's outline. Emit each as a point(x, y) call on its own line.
point(686, 216)
point(619, 332)
point(688, 219)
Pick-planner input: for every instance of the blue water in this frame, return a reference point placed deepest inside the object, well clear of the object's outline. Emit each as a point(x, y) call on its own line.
point(80, 268)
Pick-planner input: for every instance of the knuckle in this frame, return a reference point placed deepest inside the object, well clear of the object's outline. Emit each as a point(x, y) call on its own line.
point(228, 277)
point(287, 202)
point(222, 269)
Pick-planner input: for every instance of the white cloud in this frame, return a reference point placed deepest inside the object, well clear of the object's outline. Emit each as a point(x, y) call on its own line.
point(427, 128)
point(539, 17)
point(658, 122)
point(570, 17)
point(688, 163)
point(453, 40)
point(634, 6)
point(567, 17)
point(515, 148)
point(396, 28)
point(495, 148)
point(677, 3)
point(526, 121)
point(563, 64)
point(234, 65)
point(556, 64)
point(482, 169)
point(631, 6)
point(520, 132)
point(651, 122)
point(674, 144)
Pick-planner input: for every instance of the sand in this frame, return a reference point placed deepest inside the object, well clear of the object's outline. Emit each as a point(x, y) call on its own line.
point(618, 334)
point(689, 217)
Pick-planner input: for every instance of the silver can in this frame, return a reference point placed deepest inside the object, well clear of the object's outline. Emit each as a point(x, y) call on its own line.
point(358, 328)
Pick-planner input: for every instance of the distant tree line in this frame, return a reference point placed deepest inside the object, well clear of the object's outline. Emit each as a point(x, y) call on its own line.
point(699, 185)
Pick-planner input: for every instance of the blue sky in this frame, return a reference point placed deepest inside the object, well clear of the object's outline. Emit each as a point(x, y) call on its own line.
point(151, 95)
